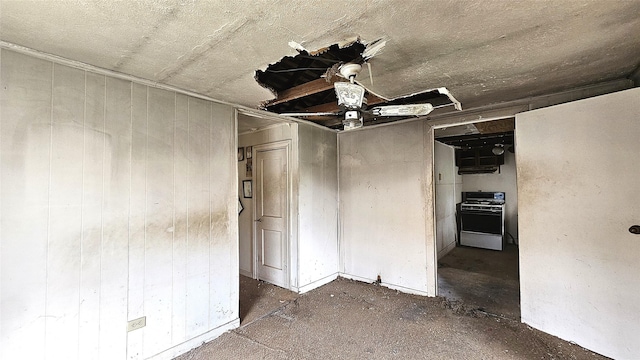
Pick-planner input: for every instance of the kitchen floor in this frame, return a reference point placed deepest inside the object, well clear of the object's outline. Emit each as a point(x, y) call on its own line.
point(484, 279)
point(347, 319)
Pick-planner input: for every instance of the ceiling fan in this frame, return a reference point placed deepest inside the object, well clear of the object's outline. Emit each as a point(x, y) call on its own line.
point(353, 105)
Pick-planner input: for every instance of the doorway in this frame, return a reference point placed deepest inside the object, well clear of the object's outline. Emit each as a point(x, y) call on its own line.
point(266, 147)
point(480, 278)
point(264, 160)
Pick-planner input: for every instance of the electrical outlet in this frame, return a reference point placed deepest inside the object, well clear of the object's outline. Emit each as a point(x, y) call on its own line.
point(137, 323)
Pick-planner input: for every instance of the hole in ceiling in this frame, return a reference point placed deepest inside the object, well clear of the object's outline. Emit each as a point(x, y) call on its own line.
point(304, 84)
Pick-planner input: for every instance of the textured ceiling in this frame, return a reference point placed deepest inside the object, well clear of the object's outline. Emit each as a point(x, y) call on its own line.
point(248, 123)
point(482, 51)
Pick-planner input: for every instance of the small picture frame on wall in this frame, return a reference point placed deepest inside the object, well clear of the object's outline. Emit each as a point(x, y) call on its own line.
point(249, 152)
point(240, 154)
point(246, 189)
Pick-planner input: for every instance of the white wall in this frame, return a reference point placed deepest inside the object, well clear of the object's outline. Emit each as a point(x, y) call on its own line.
point(504, 181)
point(458, 185)
point(117, 201)
point(386, 208)
point(446, 177)
point(314, 214)
point(318, 207)
point(284, 131)
point(578, 194)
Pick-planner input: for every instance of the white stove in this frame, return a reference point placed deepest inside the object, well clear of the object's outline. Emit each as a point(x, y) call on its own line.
point(482, 220)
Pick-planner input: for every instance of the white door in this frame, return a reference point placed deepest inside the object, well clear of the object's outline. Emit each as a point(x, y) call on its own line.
point(578, 197)
point(271, 212)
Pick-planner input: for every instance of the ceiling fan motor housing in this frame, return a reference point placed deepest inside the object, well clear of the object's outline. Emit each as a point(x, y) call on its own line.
point(350, 70)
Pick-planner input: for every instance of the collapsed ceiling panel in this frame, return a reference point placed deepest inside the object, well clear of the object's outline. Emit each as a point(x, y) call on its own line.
point(303, 86)
point(292, 71)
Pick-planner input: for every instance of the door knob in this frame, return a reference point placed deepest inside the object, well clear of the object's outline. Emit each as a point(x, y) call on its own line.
point(259, 220)
point(635, 229)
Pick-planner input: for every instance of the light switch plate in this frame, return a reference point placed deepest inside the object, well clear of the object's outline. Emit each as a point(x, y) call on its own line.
point(137, 323)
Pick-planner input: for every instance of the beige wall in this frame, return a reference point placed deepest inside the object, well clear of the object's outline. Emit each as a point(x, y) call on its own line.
point(446, 186)
point(578, 195)
point(117, 201)
point(386, 208)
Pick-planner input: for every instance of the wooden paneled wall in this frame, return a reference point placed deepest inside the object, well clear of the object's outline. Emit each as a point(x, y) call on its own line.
point(118, 201)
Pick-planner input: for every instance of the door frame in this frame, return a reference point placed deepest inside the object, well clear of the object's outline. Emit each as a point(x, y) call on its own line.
point(432, 246)
point(283, 144)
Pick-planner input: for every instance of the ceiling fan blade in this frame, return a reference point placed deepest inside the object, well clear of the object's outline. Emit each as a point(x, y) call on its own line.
point(403, 110)
point(303, 114)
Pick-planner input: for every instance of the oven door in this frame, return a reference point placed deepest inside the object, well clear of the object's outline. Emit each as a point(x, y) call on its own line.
point(480, 221)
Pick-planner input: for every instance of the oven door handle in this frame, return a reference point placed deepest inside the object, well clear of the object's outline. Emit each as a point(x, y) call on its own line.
point(480, 212)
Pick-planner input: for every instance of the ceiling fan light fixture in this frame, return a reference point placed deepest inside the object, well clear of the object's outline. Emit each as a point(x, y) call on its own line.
point(403, 110)
point(349, 95)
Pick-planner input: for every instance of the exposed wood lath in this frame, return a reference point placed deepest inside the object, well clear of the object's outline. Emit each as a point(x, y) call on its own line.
point(303, 90)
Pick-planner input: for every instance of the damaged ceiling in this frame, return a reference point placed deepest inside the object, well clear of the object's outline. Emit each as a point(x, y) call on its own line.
point(483, 52)
point(305, 84)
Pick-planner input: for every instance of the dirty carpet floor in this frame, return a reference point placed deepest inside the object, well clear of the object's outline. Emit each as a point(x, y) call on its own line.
point(346, 319)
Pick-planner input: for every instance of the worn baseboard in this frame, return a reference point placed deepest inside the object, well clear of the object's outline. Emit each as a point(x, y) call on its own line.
point(447, 249)
point(316, 284)
point(400, 288)
point(196, 341)
point(246, 273)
